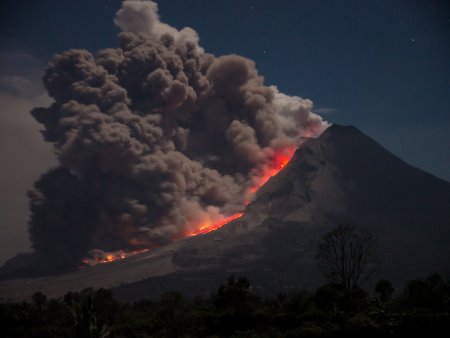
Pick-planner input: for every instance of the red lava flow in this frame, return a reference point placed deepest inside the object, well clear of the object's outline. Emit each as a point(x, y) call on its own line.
point(279, 161)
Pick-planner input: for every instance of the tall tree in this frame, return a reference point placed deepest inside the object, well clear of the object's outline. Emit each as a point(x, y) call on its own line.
point(347, 256)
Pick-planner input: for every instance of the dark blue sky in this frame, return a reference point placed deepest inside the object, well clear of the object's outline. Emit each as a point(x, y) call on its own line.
point(382, 65)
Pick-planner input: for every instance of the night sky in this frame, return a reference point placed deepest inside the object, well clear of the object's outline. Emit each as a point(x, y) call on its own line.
point(382, 66)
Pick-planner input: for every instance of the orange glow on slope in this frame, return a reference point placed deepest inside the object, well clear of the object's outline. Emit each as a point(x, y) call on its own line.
point(109, 257)
point(273, 167)
point(280, 160)
point(210, 226)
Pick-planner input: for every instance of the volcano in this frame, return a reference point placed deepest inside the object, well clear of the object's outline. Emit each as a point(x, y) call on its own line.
point(343, 176)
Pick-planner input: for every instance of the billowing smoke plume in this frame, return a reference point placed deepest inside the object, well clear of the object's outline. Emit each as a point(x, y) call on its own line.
point(154, 138)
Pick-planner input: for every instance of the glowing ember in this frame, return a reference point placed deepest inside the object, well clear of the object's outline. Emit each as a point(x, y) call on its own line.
point(108, 257)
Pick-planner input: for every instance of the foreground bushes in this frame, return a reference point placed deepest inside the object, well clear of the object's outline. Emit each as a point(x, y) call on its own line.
point(234, 311)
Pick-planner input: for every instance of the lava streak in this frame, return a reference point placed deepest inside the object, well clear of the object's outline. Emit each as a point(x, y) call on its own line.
point(211, 226)
point(279, 161)
point(108, 257)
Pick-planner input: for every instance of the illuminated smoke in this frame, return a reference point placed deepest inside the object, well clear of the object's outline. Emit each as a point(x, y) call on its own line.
point(97, 256)
point(156, 139)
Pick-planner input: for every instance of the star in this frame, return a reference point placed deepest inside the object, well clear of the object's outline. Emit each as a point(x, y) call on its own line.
point(413, 40)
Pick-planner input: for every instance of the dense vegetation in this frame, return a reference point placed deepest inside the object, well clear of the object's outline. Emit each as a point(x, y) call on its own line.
point(423, 307)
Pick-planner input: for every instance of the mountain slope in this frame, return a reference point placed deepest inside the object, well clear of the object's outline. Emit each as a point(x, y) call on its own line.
point(344, 176)
point(341, 177)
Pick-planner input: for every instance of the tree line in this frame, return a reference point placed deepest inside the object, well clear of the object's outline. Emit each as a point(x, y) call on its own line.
point(338, 308)
point(235, 311)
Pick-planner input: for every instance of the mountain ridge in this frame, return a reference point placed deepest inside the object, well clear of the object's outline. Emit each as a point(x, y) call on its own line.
point(341, 177)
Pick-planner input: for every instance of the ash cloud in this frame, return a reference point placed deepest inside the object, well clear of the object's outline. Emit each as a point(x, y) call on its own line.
point(153, 137)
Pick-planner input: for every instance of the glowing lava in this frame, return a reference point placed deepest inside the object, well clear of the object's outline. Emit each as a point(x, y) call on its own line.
point(280, 160)
point(208, 227)
point(262, 175)
point(108, 257)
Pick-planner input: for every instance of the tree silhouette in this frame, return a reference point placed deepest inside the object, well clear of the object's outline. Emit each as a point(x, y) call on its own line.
point(385, 289)
point(39, 300)
point(235, 295)
point(347, 256)
point(430, 293)
point(88, 321)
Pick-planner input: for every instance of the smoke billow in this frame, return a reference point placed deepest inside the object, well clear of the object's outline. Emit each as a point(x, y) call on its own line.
point(153, 138)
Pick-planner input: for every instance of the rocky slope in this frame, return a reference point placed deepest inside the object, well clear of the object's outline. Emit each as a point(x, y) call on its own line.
point(341, 177)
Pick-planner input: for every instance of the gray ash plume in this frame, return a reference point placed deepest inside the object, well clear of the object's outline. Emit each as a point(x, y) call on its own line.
point(153, 137)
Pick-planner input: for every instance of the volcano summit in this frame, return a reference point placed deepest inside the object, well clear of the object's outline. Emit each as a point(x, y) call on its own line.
point(185, 167)
point(342, 176)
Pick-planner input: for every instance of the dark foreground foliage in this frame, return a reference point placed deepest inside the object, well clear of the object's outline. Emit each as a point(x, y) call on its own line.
point(423, 309)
